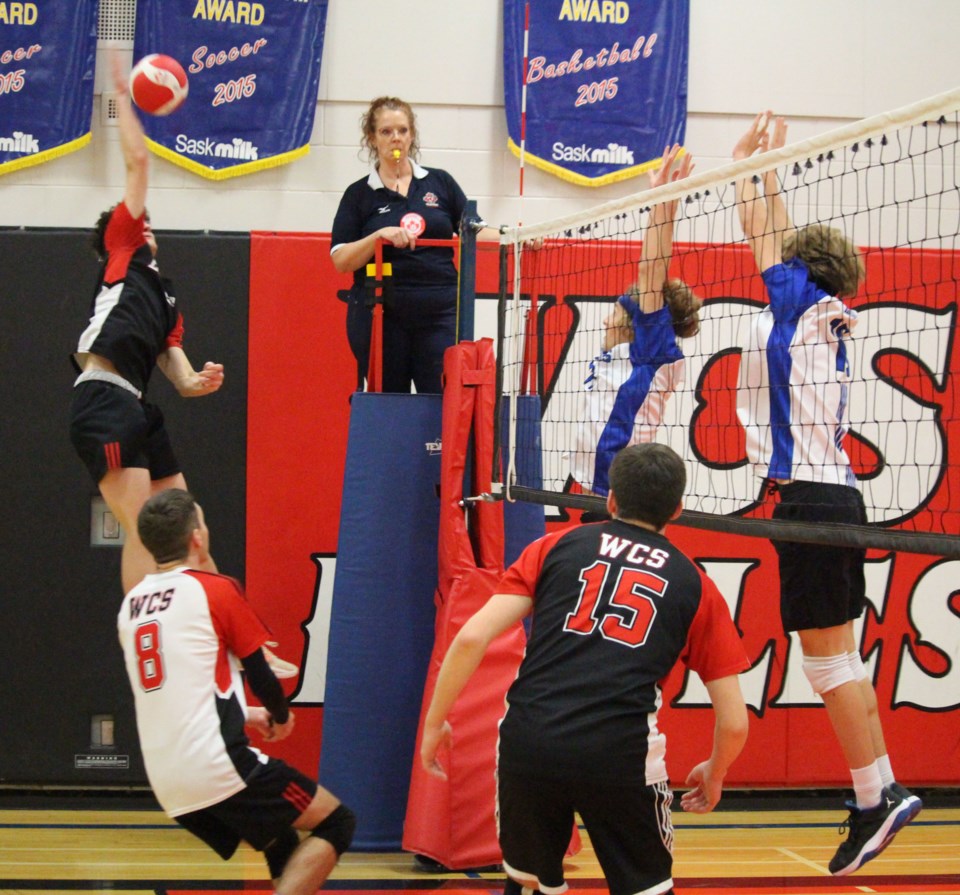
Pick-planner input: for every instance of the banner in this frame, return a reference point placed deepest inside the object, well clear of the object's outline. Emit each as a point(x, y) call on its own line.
point(606, 84)
point(47, 53)
point(253, 71)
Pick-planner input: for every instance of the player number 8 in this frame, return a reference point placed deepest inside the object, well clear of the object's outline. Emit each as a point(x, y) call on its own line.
point(149, 656)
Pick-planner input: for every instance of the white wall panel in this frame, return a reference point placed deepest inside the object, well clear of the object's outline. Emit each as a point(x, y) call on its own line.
point(820, 62)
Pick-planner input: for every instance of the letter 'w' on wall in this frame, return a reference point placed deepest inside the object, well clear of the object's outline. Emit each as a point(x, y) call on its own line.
point(47, 53)
point(253, 70)
point(606, 84)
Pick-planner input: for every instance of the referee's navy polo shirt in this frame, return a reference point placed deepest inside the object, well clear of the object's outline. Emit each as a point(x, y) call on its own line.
point(434, 203)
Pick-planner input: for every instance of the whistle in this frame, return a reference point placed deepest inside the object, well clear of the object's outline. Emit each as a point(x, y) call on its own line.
point(396, 155)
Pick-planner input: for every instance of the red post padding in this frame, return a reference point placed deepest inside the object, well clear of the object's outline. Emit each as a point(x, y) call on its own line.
point(452, 820)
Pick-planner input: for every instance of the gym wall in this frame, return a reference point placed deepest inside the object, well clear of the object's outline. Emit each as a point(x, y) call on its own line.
point(266, 456)
point(61, 664)
point(745, 55)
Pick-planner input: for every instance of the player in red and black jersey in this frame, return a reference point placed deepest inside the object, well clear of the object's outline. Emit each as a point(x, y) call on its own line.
point(615, 605)
point(134, 326)
point(185, 635)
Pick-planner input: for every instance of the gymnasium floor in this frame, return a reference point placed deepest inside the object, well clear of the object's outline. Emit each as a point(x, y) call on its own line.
point(69, 847)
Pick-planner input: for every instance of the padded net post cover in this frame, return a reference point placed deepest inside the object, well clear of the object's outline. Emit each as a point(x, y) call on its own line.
point(452, 820)
point(382, 617)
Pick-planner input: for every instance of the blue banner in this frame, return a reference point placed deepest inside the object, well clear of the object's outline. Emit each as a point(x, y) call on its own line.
point(606, 84)
point(253, 69)
point(47, 55)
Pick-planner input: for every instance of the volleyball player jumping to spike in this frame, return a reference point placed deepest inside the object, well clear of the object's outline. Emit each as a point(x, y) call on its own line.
point(641, 364)
point(791, 401)
point(134, 326)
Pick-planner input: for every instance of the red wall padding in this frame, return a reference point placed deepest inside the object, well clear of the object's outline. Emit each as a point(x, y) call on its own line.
point(453, 820)
point(300, 376)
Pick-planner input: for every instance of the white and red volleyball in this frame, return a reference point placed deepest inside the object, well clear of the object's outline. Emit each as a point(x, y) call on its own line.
point(158, 84)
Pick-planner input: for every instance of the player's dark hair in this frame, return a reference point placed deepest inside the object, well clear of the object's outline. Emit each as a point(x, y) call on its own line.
point(834, 263)
point(648, 481)
point(99, 237)
point(166, 522)
point(368, 124)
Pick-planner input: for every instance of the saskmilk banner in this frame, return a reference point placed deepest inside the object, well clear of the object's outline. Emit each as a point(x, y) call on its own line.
point(47, 54)
point(606, 84)
point(253, 70)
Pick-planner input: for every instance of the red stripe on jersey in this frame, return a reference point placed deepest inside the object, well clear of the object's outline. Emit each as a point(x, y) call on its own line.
point(123, 236)
point(234, 620)
point(112, 454)
point(223, 671)
point(521, 578)
point(175, 336)
point(297, 796)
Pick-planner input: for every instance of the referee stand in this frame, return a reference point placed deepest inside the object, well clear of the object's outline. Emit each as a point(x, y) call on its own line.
point(383, 614)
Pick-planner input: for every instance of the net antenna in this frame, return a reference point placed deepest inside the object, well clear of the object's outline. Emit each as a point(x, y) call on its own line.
point(891, 185)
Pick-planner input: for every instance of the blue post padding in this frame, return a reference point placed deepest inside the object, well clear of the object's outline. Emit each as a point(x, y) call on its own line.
point(523, 522)
point(382, 616)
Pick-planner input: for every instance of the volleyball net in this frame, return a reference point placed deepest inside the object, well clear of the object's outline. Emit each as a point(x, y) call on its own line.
point(890, 184)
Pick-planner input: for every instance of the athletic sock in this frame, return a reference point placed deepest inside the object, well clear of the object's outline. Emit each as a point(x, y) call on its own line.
point(886, 771)
point(867, 785)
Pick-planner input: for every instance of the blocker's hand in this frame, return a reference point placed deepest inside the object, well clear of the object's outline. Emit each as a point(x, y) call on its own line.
point(755, 139)
point(665, 172)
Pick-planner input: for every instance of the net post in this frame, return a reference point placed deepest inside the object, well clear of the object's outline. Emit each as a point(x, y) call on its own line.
point(496, 474)
point(470, 225)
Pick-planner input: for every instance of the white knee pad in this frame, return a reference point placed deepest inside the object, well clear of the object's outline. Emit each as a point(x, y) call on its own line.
point(857, 667)
point(826, 673)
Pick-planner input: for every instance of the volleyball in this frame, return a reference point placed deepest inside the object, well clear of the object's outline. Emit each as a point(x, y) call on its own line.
point(158, 84)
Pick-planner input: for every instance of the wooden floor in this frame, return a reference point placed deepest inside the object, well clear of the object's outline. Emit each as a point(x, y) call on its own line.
point(748, 852)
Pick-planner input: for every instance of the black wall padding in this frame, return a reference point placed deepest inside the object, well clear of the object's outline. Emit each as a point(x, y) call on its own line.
point(60, 661)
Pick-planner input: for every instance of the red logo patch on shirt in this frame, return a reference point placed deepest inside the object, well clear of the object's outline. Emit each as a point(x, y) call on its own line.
point(431, 200)
point(413, 223)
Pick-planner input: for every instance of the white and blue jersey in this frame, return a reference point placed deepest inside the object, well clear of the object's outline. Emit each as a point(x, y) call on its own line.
point(794, 375)
point(626, 393)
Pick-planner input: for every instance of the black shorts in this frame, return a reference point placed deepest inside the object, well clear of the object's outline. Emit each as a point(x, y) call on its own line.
point(820, 586)
point(275, 796)
point(629, 824)
point(112, 429)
